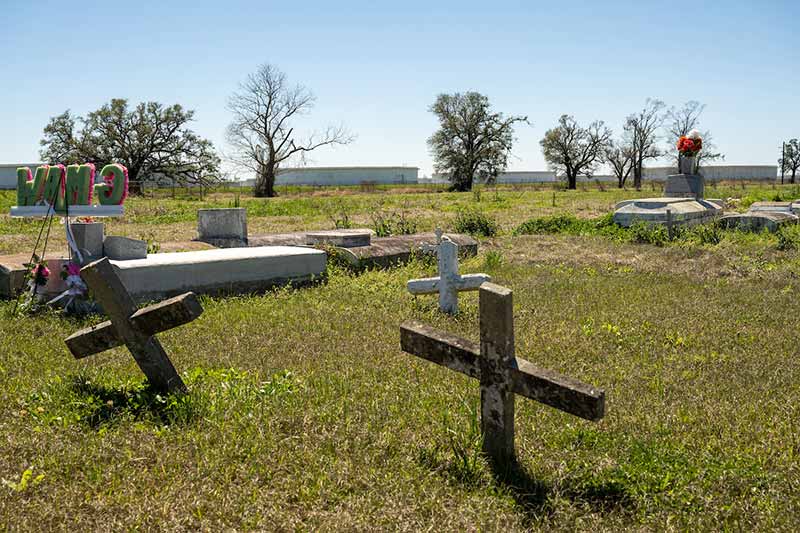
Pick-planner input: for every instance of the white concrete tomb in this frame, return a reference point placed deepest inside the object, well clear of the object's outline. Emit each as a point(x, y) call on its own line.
point(227, 270)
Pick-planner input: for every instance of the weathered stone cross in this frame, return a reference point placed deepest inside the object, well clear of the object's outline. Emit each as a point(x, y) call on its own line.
point(449, 281)
point(136, 328)
point(501, 374)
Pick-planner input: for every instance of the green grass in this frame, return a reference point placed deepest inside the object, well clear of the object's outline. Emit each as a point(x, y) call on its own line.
point(303, 413)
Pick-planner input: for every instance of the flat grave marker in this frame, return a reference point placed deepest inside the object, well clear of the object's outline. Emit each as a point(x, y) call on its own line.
point(136, 328)
point(500, 373)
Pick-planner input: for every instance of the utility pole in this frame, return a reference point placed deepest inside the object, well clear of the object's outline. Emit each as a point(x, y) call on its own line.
point(783, 160)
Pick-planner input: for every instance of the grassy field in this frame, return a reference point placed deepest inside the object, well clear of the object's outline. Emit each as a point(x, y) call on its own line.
point(304, 413)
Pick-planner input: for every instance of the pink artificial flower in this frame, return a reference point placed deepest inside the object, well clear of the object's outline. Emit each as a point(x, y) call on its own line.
point(40, 273)
point(73, 269)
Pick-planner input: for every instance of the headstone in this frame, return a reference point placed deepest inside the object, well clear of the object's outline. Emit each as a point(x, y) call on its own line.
point(135, 328)
point(124, 248)
point(225, 228)
point(449, 282)
point(88, 238)
point(500, 372)
point(685, 186)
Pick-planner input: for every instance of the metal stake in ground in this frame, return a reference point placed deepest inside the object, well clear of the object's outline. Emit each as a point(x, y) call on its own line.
point(449, 282)
point(134, 328)
point(500, 373)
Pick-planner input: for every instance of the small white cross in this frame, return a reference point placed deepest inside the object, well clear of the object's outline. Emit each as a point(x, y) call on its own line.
point(449, 282)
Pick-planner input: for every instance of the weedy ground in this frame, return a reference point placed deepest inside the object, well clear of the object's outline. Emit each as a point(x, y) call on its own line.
point(304, 413)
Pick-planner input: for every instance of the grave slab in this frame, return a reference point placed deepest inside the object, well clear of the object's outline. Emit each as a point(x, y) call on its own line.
point(759, 220)
point(220, 271)
point(12, 275)
point(684, 211)
point(350, 238)
point(381, 252)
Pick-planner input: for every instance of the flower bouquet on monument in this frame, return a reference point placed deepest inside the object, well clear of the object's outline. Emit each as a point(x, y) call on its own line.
point(689, 146)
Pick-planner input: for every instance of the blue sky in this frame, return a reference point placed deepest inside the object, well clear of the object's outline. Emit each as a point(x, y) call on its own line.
point(377, 66)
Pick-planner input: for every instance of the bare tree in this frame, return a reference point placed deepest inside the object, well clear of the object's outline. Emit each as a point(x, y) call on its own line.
point(791, 158)
point(641, 133)
point(620, 157)
point(262, 135)
point(680, 121)
point(574, 149)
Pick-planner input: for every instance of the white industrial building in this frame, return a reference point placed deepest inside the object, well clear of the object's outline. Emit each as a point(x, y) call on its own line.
point(514, 176)
point(8, 173)
point(719, 172)
point(322, 176)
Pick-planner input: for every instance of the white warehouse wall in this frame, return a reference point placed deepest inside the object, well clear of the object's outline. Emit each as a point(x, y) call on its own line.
point(719, 172)
point(346, 175)
point(514, 176)
point(8, 174)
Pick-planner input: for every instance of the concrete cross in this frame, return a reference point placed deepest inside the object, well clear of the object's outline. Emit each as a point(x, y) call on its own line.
point(449, 281)
point(500, 373)
point(136, 328)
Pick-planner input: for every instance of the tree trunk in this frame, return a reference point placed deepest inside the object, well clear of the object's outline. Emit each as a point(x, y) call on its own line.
point(794, 172)
point(637, 177)
point(461, 183)
point(572, 181)
point(265, 183)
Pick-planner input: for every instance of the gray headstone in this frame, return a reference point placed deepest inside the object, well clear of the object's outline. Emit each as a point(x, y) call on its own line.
point(225, 228)
point(88, 239)
point(684, 186)
point(124, 248)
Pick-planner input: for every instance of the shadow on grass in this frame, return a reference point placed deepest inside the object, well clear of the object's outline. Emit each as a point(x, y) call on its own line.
point(100, 404)
point(534, 496)
point(466, 466)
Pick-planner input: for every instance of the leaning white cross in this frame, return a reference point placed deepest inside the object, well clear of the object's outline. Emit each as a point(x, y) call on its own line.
point(449, 282)
point(501, 374)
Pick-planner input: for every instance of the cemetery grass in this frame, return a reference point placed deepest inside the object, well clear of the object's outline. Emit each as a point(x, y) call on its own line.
point(303, 413)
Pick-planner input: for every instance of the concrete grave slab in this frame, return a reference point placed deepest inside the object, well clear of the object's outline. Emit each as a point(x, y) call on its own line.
point(759, 220)
point(349, 238)
point(653, 211)
point(221, 271)
point(381, 252)
point(12, 275)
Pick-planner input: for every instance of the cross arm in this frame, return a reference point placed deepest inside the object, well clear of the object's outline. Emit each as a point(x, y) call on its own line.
point(441, 348)
point(467, 282)
point(149, 320)
point(423, 285)
point(545, 386)
point(562, 392)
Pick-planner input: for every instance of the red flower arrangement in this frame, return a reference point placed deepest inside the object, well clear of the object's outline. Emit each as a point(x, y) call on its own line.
point(689, 145)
